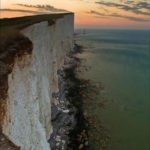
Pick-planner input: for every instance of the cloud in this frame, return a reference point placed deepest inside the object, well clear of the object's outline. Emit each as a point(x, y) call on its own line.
point(19, 10)
point(98, 14)
point(40, 9)
point(131, 6)
point(129, 2)
point(43, 7)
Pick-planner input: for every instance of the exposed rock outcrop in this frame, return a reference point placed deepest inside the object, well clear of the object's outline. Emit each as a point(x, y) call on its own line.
point(29, 78)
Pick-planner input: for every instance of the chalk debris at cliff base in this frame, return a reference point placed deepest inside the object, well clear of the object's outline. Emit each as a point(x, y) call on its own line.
point(67, 116)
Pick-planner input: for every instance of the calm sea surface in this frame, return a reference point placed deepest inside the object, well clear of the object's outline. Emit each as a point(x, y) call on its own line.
point(120, 61)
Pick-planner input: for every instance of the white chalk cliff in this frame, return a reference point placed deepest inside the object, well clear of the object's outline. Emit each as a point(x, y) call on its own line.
point(27, 121)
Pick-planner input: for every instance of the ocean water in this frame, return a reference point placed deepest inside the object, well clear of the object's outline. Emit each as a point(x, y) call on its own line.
point(120, 61)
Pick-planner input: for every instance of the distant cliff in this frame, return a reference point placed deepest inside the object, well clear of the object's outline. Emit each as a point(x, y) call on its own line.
point(29, 60)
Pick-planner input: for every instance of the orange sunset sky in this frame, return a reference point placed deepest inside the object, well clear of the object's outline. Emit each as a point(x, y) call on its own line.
point(88, 13)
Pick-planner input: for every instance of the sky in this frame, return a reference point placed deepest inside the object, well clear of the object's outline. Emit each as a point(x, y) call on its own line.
point(88, 13)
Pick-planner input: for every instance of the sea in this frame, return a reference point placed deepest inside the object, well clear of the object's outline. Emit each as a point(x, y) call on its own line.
point(118, 60)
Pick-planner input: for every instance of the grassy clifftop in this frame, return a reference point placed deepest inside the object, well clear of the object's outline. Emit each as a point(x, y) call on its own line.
point(22, 22)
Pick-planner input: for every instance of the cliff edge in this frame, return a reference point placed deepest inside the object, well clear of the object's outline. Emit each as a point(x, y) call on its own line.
point(32, 49)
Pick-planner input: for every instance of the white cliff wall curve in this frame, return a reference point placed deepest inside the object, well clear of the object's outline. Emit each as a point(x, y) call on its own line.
point(27, 122)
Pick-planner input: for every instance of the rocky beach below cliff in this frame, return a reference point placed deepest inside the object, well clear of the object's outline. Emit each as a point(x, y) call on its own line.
point(70, 130)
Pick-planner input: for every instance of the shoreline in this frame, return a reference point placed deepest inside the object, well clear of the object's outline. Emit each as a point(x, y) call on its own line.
point(70, 130)
point(73, 124)
point(97, 133)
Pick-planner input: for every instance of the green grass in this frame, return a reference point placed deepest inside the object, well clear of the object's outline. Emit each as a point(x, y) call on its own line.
point(22, 22)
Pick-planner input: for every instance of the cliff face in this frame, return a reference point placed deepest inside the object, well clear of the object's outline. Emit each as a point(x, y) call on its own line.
point(33, 78)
